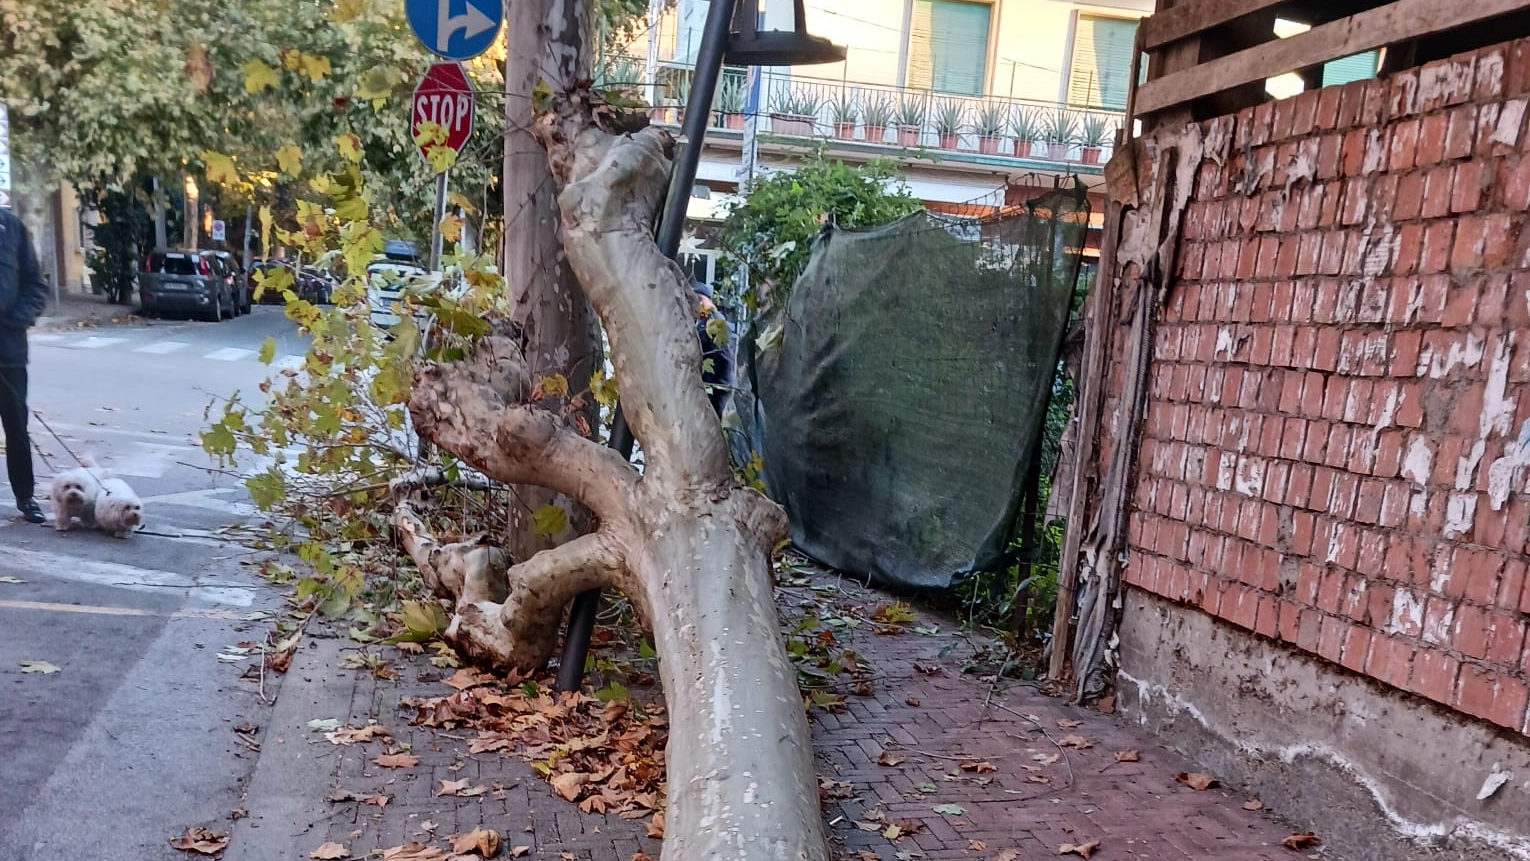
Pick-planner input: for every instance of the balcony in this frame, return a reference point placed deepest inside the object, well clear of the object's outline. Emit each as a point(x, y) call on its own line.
point(893, 120)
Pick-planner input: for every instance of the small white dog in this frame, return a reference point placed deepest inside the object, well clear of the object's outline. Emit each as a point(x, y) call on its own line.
point(74, 493)
point(119, 511)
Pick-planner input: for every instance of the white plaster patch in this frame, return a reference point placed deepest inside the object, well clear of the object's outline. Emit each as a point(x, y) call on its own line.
point(1227, 465)
point(1465, 354)
point(1407, 614)
point(1418, 463)
point(1460, 514)
point(1505, 473)
point(1226, 344)
point(1438, 630)
point(1249, 480)
point(1375, 152)
point(1510, 117)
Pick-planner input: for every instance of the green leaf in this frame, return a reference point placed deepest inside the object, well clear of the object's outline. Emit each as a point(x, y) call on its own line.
point(219, 168)
point(289, 160)
point(423, 620)
point(717, 330)
point(949, 809)
point(549, 521)
point(268, 350)
point(555, 386)
point(335, 604)
point(267, 489)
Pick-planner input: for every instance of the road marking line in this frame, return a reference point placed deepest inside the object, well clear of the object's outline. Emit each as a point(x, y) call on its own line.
point(98, 610)
point(47, 337)
point(96, 342)
point(115, 574)
point(205, 499)
point(229, 354)
point(162, 347)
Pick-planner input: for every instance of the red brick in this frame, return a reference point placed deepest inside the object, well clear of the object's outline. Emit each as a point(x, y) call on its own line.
point(1512, 585)
point(1516, 76)
point(1471, 631)
point(1410, 244)
point(1506, 641)
point(1431, 139)
point(1439, 621)
point(1267, 617)
point(1516, 184)
point(1331, 636)
point(1403, 152)
point(1437, 192)
point(1490, 77)
point(1436, 250)
point(1299, 493)
point(1434, 292)
point(1378, 604)
point(1502, 233)
point(1409, 201)
point(1461, 306)
point(1466, 189)
point(1509, 706)
point(1391, 661)
point(1434, 675)
point(1401, 98)
point(1461, 132)
point(1289, 626)
point(1357, 648)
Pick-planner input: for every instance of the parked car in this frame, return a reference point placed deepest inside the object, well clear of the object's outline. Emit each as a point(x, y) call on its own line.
point(316, 285)
point(263, 269)
point(224, 263)
point(387, 281)
point(180, 281)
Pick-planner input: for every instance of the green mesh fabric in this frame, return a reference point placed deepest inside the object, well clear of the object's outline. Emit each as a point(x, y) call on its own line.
point(896, 394)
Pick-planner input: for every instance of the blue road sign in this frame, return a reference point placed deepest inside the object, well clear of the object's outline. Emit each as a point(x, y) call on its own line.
point(456, 29)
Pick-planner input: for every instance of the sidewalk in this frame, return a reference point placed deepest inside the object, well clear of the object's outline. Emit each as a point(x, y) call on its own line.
point(931, 763)
point(81, 310)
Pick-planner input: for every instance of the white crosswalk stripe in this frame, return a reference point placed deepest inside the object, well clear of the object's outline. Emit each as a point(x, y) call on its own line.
point(47, 337)
point(229, 354)
point(162, 347)
point(96, 342)
point(288, 363)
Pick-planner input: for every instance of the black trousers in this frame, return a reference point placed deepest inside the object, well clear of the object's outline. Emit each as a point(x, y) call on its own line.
point(18, 445)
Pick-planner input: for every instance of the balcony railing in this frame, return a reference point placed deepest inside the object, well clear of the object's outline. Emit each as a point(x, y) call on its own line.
point(893, 117)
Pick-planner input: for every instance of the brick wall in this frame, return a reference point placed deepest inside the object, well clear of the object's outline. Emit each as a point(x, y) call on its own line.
point(1337, 439)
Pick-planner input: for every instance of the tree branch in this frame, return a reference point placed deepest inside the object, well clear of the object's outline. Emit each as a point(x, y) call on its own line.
point(464, 571)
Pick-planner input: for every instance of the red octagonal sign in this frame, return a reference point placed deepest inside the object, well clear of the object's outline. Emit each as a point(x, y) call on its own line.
point(444, 97)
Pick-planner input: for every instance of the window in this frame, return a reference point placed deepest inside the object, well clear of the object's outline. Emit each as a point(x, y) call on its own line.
point(1101, 72)
point(1359, 67)
point(948, 46)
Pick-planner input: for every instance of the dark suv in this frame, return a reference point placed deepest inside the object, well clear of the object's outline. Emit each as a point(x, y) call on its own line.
point(188, 282)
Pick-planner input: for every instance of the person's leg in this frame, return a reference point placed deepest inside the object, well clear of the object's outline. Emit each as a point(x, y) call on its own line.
point(18, 445)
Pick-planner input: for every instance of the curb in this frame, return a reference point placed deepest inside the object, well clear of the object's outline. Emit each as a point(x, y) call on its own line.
point(285, 806)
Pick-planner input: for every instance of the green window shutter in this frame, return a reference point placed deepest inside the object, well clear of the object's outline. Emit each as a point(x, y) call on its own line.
point(948, 46)
point(1102, 62)
point(1359, 67)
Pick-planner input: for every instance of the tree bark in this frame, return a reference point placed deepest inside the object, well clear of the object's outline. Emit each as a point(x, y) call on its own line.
point(560, 332)
point(687, 544)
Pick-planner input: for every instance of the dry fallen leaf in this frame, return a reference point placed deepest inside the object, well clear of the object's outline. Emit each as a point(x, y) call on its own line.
point(1127, 756)
point(518, 851)
point(1069, 723)
point(1083, 850)
point(330, 851)
point(1077, 742)
point(979, 766)
point(1298, 842)
point(484, 841)
point(200, 840)
point(354, 735)
point(1196, 781)
point(568, 784)
point(414, 851)
point(1007, 855)
point(893, 832)
point(1253, 804)
point(397, 760)
point(452, 787)
point(656, 826)
point(1047, 758)
point(410, 647)
point(912, 701)
point(468, 678)
point(976, 846)
point(890, 758)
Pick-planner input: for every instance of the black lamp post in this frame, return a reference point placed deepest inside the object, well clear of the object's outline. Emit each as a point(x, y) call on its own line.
point(732, 31)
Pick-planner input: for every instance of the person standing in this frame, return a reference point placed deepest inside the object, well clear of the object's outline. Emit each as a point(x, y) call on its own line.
point(23, 295)
point(716, 348)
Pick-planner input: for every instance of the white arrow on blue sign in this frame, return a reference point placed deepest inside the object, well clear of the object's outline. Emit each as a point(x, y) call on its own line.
point(456, 29)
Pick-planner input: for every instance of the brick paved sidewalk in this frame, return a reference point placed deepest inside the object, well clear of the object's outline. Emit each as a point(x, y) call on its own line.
point(1043, 780)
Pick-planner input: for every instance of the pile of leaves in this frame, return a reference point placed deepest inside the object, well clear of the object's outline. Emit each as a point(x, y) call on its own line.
point(608, 756)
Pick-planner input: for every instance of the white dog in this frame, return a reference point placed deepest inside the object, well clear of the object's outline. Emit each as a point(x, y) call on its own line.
point(74, 493)
point(119, 511)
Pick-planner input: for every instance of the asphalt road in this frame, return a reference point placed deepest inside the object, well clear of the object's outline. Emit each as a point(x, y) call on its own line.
point(132, 740)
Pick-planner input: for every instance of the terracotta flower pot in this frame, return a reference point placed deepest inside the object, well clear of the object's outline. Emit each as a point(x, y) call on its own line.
point(792, 124)
point(844, 130)
point(876, 134)
point(950, 141)
point(734, 121)
point(989, 144)
point(1025, 149)
point(1057, 151)
point(1091, 155)
point(909, 135)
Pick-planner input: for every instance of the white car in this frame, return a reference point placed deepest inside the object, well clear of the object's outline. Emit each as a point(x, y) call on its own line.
point(387, 282)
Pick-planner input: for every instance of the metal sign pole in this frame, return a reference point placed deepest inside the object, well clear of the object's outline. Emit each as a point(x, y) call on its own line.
point(436, 239)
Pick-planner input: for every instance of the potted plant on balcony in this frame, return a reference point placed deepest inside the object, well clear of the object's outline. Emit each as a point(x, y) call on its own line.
point(877, 113)
point(949, 117)
point(988, 122)
point(1094, 132)
point(1025, 126)
point(680, 92)
point(730, 102)
point(846, 111)
point(1059, 130)
point(910, 120)
point(794, 113)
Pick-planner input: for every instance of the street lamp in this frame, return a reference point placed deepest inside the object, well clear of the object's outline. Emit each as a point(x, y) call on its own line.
point(732, 30)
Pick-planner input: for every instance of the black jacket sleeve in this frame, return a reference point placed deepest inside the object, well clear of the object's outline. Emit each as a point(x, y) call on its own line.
point(31, 292)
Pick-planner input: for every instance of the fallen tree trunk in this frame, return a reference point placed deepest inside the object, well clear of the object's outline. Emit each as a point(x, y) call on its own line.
point(683, 541)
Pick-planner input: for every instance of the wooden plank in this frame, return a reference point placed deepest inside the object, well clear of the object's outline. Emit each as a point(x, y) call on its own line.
point(1364, 31)
point(1187, 19)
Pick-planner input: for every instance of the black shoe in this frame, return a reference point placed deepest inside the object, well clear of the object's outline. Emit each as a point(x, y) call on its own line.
point(31, 511)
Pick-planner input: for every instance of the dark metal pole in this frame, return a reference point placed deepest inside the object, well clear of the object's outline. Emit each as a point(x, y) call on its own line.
point(698, 115)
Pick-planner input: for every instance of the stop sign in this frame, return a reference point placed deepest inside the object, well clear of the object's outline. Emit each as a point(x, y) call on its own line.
point(445, 97)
